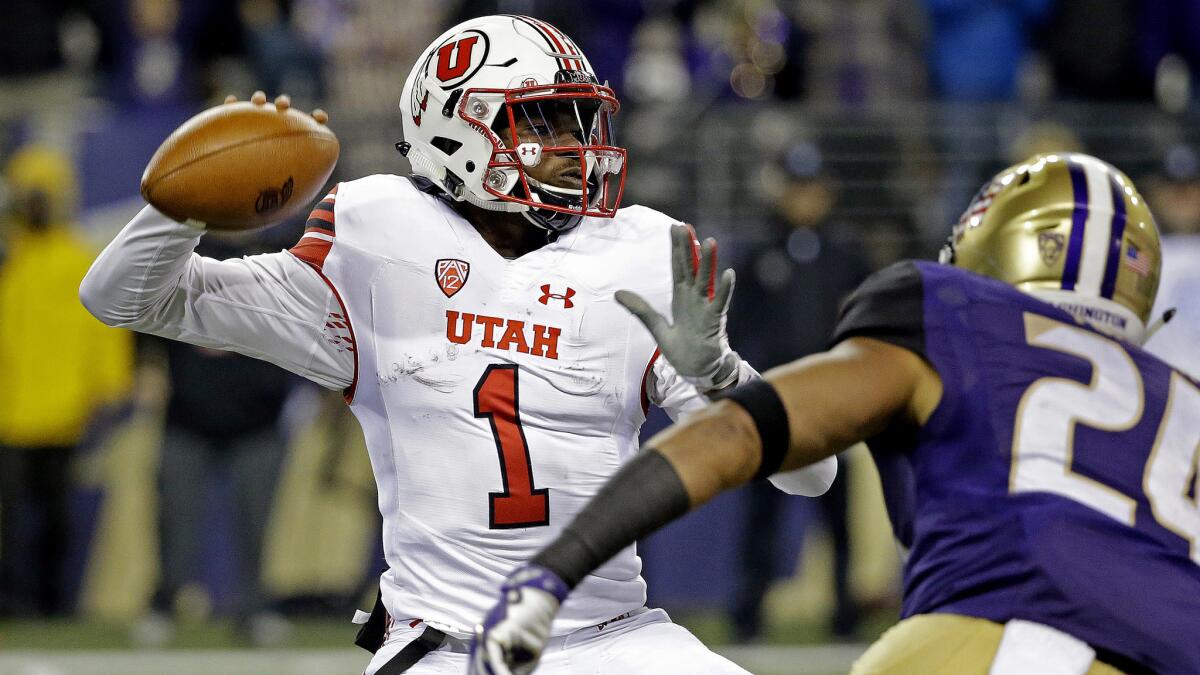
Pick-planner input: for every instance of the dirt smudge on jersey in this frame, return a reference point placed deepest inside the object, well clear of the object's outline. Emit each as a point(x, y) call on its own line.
point(415, 369)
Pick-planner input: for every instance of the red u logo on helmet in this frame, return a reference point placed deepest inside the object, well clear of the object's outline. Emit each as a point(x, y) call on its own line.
point(460, 50)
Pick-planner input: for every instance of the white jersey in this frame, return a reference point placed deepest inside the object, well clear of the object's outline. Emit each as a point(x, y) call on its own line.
point(496, 396)
point(1179, 288)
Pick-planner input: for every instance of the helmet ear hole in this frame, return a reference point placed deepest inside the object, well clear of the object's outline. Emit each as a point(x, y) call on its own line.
point(1025, 178)
point(446, 145)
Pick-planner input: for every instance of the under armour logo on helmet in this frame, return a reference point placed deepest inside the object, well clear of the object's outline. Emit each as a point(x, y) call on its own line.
point(565, 297)
point(530, 153)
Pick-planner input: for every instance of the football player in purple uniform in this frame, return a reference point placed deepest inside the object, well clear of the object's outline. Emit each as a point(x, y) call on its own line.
point(1039, 467)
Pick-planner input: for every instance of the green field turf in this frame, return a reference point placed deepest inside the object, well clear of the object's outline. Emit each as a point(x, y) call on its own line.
point(324, 646)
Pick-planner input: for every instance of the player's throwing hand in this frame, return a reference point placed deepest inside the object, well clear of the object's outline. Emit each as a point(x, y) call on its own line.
point(514, 632)
point(694, 341)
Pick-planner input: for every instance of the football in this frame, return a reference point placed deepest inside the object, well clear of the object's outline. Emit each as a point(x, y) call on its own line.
point(242, 165)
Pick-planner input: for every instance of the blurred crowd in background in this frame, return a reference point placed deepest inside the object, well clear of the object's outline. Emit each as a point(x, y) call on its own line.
point(818, 140)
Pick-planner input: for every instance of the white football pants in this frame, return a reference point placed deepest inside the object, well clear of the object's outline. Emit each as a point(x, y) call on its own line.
point(646, 642)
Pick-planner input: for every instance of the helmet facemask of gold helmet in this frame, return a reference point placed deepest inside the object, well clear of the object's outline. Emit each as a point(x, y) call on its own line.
point(1071, 230)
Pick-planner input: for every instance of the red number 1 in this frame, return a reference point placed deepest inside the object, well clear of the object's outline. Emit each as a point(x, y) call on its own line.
point(521, 504)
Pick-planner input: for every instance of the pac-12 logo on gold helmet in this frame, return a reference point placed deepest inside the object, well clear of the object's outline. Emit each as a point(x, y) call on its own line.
point(1071, 229)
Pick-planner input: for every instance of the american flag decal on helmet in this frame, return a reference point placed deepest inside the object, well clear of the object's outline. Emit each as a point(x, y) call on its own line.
point(980, 204)
point(1137, 260)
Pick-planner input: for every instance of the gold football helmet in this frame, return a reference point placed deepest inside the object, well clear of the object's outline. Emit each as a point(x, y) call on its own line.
point(1070, 229)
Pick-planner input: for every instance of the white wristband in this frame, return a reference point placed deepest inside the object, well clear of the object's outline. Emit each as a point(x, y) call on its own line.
point(710, 384)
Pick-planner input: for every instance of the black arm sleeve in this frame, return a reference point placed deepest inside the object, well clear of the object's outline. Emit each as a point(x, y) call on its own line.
point(888, 306)
point(762, 402)
point(643, 496)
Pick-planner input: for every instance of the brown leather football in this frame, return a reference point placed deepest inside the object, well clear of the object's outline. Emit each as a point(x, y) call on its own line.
point(242, 165)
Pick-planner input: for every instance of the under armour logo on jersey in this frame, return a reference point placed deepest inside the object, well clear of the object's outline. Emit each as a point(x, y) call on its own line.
point(565, 297)
point(451, 274)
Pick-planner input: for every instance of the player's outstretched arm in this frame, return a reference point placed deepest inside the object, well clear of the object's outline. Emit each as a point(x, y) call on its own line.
point(798, 414)
point(693, 340)
point(696, 350)
point(271, 306)
point(802, 413)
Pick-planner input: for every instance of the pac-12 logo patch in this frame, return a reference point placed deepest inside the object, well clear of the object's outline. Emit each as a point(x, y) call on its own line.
point(451, 274)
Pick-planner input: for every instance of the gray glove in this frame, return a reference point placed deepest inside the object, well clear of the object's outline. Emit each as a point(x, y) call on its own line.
point(694, 342)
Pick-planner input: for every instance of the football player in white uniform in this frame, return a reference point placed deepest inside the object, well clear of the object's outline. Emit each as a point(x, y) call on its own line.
point(469, 312)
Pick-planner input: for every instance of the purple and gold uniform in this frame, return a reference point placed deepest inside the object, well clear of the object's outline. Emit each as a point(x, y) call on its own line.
point(1056, 481)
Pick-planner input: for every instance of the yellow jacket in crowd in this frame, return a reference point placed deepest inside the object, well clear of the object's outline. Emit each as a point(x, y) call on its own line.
point(59, 365)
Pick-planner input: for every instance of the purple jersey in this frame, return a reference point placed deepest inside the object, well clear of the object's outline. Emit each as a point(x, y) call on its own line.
point(1055, 482)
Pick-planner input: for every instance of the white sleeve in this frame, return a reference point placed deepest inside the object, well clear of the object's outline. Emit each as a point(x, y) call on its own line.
point(272, 307)
point(813, 480)
point(666, 389)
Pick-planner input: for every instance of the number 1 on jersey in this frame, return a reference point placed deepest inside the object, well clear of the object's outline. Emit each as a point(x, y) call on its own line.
point(520, 504)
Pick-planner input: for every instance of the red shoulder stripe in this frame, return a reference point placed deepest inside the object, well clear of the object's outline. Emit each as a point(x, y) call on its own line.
point(319, 232)
point(321, 214)
point(646, 380)
point(313, 248)
point(341, 319)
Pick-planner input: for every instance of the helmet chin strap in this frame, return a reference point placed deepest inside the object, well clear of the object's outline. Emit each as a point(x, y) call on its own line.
point(540, 218)
point(532, 213)
point(1107, 316)
point(503, 206)
point(1162, 321)
point(568, 192)
point(533, 220)
point(494, 204)
point(423, 166)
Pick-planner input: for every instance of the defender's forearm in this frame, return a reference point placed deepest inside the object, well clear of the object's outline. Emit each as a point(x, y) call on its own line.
point(714, 451)
point(800, 415)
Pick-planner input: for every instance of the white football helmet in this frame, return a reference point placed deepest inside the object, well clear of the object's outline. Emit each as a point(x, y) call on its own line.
point(462, 104)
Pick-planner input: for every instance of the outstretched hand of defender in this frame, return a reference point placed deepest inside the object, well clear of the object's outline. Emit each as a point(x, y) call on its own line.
point(514, 632)
point(694, 340)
